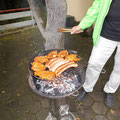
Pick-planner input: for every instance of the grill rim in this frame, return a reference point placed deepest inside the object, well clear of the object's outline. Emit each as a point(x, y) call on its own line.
point(42, 54)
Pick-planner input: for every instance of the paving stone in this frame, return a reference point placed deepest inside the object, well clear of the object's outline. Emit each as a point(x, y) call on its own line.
point(17, 94)
point(15, 80)
point(99, 117)
point(73, 105)
point(75, 114)
point(36, 98)
point(98, 86)
point(11, 104)
point(5, 115)
point(116, 104)
point(88, 101)
point(34, 107)
point(99, 108)
point(18, 112)
point(85, 113)
point(25, 100)
point(45, 103)
point(105, 78)
point(118, 91)
point(4, 98)
point(113, 115)
point(29, 91)
point(42, 114)
point(20, 108)
point(117, 96)
point(29, 117)
point(97, 96)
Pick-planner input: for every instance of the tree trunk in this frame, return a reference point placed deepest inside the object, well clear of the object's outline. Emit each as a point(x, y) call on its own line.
point(56, 18)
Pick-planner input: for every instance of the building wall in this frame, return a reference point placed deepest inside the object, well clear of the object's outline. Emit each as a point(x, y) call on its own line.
point(78, 8)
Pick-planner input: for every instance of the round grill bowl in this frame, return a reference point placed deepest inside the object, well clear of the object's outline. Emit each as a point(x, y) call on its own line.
point(79, 71)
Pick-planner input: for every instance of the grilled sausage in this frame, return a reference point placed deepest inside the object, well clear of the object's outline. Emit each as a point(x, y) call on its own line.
point(64, 67)
point(56, 64)
point(48, 64)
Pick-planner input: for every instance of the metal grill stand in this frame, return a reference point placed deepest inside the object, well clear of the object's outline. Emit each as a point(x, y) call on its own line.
point(55, 107)
point(60, 111)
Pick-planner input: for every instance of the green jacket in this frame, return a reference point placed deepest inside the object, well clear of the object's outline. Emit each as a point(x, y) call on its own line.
point(96, 13)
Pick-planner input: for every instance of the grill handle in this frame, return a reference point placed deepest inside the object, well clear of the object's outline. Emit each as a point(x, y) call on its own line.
point(75, 94)
point(31, 82)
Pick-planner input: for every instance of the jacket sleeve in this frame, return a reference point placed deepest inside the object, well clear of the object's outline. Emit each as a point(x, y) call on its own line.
point(91, 15)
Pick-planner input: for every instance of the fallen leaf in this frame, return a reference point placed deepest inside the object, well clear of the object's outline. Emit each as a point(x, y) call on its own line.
point(4, 72)
point(18, 94)
point(112, 111)
point(3, 92)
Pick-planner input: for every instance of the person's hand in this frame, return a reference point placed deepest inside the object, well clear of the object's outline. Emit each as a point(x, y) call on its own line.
point(76, 30)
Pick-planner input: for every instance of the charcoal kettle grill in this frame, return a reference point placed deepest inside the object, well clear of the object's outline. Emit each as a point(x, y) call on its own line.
point(74, 79)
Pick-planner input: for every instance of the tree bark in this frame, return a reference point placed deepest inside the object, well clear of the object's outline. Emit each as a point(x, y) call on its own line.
point(56, 17)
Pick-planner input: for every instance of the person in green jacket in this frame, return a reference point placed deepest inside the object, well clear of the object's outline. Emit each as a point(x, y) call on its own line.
point(106, 38)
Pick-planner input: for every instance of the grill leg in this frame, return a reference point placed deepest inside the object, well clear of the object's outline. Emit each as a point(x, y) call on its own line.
point(55, 106)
